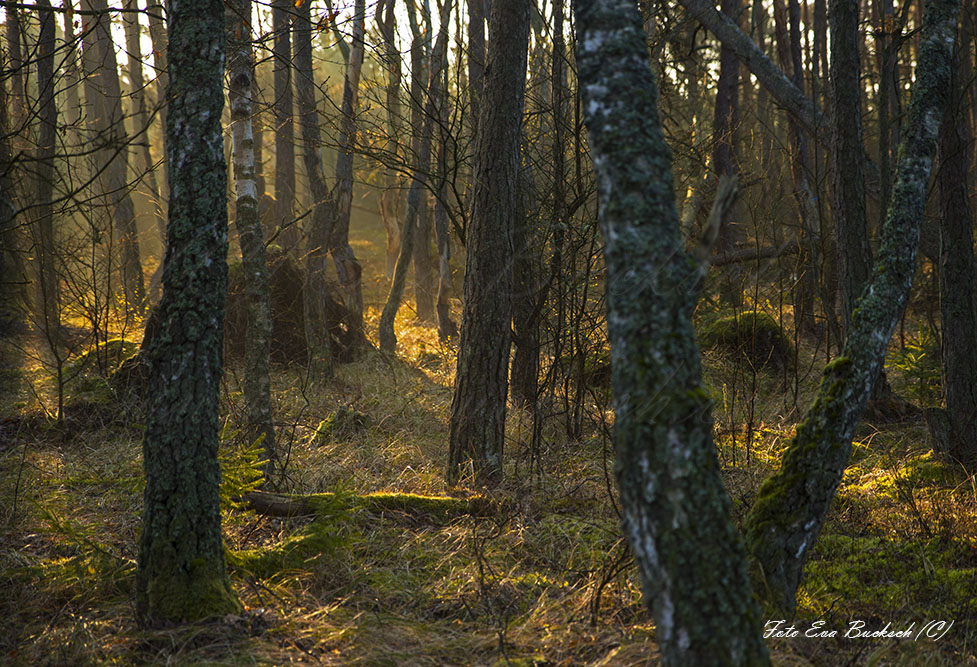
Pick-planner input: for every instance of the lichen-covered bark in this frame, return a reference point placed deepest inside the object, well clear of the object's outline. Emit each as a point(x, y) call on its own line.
point(477, 428)
point(323, 206)
point(257, 293)
point(957, 300)
point(181, 574)
point(676, 511)
point(388, 338)
point(848, 177)
point(790, 510)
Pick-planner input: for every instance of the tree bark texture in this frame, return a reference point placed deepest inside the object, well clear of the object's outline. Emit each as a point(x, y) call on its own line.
point(957, 273)
point(676, 511)
point(792, 504)
point(478, 408)
point(181, 573)
point(848, 184)
point(257, 346)
point(418, 188)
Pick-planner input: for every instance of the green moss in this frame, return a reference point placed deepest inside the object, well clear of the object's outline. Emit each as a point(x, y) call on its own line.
point(339, 423)
point(316, 544)
point(752, 336)
point(106, 356)
point(874, 573)
point(203, 592)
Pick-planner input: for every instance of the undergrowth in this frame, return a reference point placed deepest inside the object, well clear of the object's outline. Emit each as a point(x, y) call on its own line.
point(545, 579)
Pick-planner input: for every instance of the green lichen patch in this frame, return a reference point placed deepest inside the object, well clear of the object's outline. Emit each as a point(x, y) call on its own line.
point(753, 336)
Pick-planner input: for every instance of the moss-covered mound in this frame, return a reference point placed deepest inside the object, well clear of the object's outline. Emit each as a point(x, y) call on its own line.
point(753, 336)
point(288, 345)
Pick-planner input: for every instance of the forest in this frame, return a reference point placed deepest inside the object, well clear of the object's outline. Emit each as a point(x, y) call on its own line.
point(488, 332)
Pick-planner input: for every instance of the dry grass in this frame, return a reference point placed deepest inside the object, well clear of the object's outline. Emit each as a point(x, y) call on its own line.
point(547, 581)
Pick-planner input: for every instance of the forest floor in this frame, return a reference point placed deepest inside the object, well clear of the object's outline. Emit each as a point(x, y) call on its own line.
point(541, 577)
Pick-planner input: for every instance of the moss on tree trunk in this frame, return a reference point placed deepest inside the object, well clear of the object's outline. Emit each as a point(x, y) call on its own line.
point(790, 510)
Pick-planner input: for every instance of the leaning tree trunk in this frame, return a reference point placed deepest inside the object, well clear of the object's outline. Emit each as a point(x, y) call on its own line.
point(676, 511)
point(316, 287)
point(957, 301)
point(181, 574)
point(257, 345)
point(478, 408)
point(790, 510)
point(388, 338)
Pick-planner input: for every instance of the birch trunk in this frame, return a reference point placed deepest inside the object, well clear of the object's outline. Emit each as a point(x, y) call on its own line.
point(257, 346)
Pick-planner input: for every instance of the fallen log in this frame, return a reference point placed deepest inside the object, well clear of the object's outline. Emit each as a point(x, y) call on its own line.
point(437, 508)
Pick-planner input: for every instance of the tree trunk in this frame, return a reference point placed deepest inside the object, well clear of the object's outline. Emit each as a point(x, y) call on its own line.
point(676, 511)
point(288, 237)
point(478, 408)
point(446, 326)
point(791, 507)
point(323, 208)
point(957, 273)
point(392, 198)
point(257, 346)
point(112, 154)
point(72, 114)
point(15, 61)
point(47, 298)
point(181, 575)
point(388, 338)
point(423, 266)
point(725, 120)
point(848, 185)
point(347, 266)
point(140, 112)
point(11, 267)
